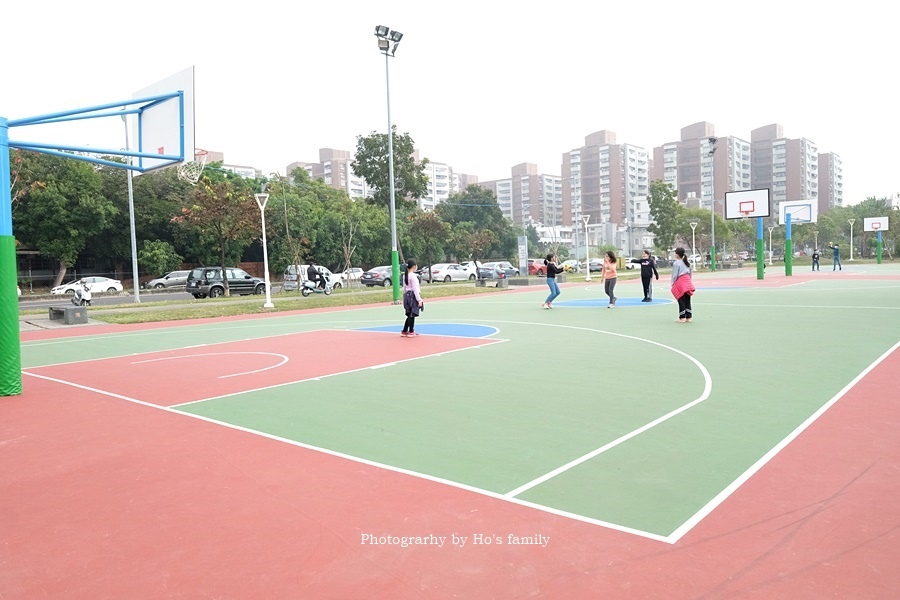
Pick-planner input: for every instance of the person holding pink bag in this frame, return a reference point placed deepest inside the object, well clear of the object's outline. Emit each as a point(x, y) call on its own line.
point(682, 285)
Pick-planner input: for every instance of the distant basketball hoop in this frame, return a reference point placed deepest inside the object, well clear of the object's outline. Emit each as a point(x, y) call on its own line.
point(190, 170)
point(876, 226)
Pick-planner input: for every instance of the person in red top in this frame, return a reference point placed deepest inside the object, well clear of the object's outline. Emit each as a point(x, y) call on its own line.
point(608, 277)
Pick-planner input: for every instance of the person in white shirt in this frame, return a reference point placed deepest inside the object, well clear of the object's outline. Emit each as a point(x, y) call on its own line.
point(412, 298)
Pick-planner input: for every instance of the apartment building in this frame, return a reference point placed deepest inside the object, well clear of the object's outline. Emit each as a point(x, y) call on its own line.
point(701, 166)
point(608, 183)
point(529, 197)
point(831, 182)
point(789, 168)
point(334, 168)
point(443, 182)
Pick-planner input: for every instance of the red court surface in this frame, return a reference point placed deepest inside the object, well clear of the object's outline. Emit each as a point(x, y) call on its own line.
point(210, 371)
point(103, 498)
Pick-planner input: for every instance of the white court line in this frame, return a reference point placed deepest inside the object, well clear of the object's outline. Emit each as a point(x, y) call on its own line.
point(804, 307)
point(364, 461)
point(284, 360)
point(724, 494)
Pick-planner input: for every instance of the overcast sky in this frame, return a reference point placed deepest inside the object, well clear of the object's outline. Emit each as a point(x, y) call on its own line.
point(481, 86)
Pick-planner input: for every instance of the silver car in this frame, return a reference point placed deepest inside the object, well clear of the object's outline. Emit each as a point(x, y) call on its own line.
point(174, 279)
point(447, 272)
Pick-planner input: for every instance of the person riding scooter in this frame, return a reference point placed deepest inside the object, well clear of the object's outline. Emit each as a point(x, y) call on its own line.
point(312, 273)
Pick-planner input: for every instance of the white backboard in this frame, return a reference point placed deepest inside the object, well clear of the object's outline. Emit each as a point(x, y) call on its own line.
point(801, 211)
point(747, 203)
point(166, 127)
point(875, 224)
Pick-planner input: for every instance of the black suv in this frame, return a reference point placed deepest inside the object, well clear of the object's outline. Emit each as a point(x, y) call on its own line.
point(207, 281)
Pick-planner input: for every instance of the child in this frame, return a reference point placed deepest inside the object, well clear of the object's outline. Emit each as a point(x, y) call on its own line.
point(815, 265)
point(412, 298)
point(553, 269)
point(608, 276)
point(682, 285)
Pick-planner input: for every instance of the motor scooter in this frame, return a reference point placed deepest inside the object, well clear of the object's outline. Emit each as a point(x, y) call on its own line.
point(310, 287)
point(82, 296)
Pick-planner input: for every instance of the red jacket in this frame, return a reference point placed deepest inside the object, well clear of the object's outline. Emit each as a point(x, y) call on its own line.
point(683, 285)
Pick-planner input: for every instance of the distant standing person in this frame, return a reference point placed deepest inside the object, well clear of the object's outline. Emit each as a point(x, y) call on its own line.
point(648, 270)
point(608, 277)
point(815, 265)
point(707, 263)
point(412, 298)
point(836, 253)
point(553, 269)
point(682, 286)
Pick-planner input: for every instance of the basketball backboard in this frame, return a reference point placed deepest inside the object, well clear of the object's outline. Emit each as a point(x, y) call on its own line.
point(875, 224)
point(747, 203)
point(801, 211)
point(165, 127)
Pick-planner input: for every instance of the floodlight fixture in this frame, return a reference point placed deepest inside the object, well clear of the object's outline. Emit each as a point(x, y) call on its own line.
point(383, 45)
point(382, 31)
point(396, 36)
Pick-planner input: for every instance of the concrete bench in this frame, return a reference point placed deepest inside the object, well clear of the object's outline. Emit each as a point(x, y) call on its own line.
point(731, 265)
point(500, 283)
point(70, 315)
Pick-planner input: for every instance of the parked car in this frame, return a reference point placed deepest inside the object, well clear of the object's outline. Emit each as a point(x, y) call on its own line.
point(595, 264)
point(571, 266)
point(628, 264)
point(445, 272)
point(348, 275)
point(537, 267)
point(377, 276)
point(95, 284)
point(295, 275)
point(172, 279)
point(208, 281)
point(488, 270)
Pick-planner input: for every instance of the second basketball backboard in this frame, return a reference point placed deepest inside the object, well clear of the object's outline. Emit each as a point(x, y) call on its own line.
point(747, 203)
point(875, 224)
point(801, 211)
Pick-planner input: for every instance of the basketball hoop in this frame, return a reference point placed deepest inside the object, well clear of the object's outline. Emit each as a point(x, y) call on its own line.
point(876, 226)
point(190, 170)
point(746, 213)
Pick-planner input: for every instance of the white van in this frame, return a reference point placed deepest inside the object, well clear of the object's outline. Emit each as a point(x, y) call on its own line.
point(295, 275)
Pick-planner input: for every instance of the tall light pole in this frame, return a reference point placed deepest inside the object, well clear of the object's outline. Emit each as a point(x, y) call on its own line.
point(261, 200)
point(587, 252)
point(712, 202)
point(134, 256)
point(771, 227)
point(851, 221)
point(387, 44)
point(693, 241)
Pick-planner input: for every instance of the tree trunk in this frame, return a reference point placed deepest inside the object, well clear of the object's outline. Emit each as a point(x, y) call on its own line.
point(61, 274)
point(222, 264)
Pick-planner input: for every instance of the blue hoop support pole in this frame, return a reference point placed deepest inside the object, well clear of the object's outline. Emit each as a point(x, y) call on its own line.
point(760, 250)
point(788, 246)
point(879, 247)
point(10, 351)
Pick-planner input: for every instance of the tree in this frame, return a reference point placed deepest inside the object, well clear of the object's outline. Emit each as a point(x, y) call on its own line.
point(59, 206)
point(159, 257)
point(428, 235)
point(223, 214)
point(665, 212)
point(372, 163)
point(477, 224)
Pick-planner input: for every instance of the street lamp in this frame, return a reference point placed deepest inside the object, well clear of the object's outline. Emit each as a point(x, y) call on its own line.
point(587, 251)
point(693, 241)
point(712, 202)
point(851, 221)
point(817, 238)
point(261, 200)
point(771, 227)
point(387, 44)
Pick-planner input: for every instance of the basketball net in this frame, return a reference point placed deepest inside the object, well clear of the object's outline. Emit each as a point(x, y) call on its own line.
point(190, 170)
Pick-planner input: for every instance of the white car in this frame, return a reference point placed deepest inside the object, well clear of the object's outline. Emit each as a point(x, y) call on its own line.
point(95, 284)
point(447, 272)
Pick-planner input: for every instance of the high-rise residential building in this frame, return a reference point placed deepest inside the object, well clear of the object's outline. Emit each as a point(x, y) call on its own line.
point(831, 182)
point(334, 168)
point(609, 183)
point(701, 166)
point(788, 167)
point(529, 197)
point(443, 181)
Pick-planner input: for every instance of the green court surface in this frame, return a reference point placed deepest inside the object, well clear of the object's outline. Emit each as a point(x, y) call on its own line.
point(653, 418)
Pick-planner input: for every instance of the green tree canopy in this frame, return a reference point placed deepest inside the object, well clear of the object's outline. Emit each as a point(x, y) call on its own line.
point(665, 212)
point(372, 163)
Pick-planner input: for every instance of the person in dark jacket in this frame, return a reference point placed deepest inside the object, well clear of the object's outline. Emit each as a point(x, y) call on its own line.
point(815, 265)
point(836, 253)
point(553, 269)
point(312, 273)
point(648, 270)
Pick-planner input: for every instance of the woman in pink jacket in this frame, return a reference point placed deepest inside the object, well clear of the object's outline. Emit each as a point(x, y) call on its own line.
point(682, 285)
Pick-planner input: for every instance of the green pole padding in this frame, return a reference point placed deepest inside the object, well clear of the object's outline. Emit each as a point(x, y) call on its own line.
point(712, 258)
point(395, 275)
point(10, 352)
point(760, 259)
point(788, 257)
point(878, 249)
